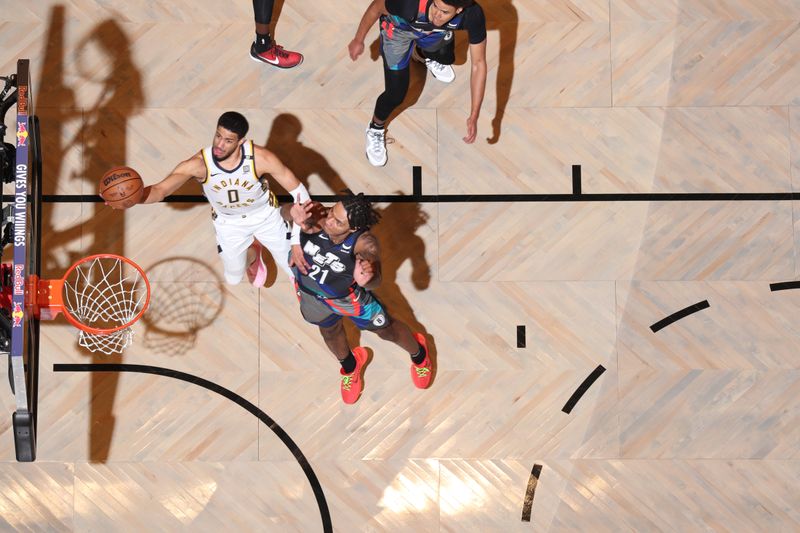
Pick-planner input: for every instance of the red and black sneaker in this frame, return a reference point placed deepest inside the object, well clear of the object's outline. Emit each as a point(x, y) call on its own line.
point(277, 56)
point(353, 383)
point(421, 374)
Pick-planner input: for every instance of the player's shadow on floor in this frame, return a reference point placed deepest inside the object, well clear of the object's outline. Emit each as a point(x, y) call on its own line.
point(303, 161)
point(284, 141)
point(397, 235)
point(501, 15)
point(89, 128)
point(94, 134)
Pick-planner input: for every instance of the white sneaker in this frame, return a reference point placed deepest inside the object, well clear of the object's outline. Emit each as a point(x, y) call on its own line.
point(443, 73)
point(376, 146)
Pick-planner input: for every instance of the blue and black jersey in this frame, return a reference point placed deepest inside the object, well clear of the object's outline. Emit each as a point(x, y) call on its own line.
point(412, 15)
point(407, 25)
point(332, 265)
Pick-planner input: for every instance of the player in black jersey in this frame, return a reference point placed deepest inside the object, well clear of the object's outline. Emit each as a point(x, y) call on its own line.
point(424, 30)
point(345, 264)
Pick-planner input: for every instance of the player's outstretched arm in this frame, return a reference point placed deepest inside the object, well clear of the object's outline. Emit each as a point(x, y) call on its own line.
point(477, 85)
point(370, 17)
point(186, 170)
point(267, 162)
point(368, 261)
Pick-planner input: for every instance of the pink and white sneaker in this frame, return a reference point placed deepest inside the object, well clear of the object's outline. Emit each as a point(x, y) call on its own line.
point(257, 271)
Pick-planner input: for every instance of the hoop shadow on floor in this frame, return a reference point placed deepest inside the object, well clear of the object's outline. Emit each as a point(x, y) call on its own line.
point(187, 297)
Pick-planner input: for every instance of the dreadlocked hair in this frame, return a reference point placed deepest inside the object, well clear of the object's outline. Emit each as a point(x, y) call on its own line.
point(360, 213)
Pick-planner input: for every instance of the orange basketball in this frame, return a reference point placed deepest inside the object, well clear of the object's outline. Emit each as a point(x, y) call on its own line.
point(121, 187)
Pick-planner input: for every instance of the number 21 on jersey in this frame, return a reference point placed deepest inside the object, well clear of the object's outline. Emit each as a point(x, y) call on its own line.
point(315, 269)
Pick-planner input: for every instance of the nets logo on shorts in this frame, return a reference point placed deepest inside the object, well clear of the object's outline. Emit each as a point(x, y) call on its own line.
point(379, 320)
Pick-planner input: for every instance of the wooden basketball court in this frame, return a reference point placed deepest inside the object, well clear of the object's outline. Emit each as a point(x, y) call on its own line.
point(678, 115)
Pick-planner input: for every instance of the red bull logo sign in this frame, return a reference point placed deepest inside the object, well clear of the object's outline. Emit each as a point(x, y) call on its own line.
point(22, 133)
point(22, 100)
point(17, 315)
point(19, 280)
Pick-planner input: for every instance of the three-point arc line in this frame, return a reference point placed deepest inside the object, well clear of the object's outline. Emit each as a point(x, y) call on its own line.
point(582, 388)
point(222, 391)
point(533, 480)
point(674, 317)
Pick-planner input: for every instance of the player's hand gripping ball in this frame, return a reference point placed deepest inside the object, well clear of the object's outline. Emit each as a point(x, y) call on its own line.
point(121, 187)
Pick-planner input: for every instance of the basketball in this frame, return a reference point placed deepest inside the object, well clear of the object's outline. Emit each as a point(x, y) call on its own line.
point(121, 187)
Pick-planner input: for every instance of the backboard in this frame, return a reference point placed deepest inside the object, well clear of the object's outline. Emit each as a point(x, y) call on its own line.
point(25, 247)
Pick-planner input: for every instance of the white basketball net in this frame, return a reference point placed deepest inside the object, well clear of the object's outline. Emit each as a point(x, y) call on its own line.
point(105, 292)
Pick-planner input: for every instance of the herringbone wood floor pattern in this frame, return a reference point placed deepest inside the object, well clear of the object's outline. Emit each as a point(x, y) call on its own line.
point(693, 428)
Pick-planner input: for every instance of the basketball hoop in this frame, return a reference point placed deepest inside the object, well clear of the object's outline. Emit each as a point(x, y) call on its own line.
point(102, 295)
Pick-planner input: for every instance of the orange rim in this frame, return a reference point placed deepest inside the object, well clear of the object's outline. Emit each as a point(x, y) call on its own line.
point(53, 290)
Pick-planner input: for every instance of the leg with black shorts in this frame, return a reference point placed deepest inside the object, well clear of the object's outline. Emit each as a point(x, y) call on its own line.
point(396, 55)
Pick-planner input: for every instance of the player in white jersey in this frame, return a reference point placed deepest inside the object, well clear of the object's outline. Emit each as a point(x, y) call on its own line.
point(244, 209)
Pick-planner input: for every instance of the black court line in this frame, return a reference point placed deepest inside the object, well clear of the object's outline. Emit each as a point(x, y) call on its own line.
point(674, 317)
point(416, 178)
point(484, 198)
point(222, 391)
point(784, 285)
point(576, 179)
point(533, 480)
point(520, 336)
point(581, 390)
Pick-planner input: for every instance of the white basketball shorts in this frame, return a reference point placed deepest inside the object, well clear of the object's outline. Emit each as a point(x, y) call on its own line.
point(235, 234)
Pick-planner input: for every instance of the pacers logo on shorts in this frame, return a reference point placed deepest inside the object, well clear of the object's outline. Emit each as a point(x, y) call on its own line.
point(379, 320)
